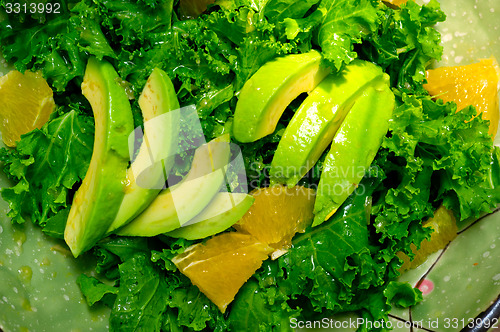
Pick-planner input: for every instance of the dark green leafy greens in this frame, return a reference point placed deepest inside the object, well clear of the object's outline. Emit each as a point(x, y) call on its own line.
point(431, 155)
point(406, 43)
point(141, 285)
point(96, 291)
point(345, 23)
point(60, 44)
point(46, 165)
point(431, 160)
point(149, 295)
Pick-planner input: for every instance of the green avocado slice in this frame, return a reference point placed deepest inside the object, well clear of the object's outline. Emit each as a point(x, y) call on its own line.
point(222, 212)
point(353, 148)
point(265, 96)
point(317, 120)
point(98, 199)
point(180, 203)
point(146, 174)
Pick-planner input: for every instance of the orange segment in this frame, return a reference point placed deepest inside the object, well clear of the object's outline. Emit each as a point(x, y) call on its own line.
point(475, 84)
point(445, 230)
point(396, 2)
point(278, 213)
point(220, 266)
point(26, 103)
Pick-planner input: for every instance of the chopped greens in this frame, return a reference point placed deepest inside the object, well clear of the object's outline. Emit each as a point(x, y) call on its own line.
point(430, 156)
point(47, 164)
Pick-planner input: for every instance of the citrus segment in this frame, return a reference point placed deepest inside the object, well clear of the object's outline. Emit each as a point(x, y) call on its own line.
point(26, 102)
point(445, 230)
point(396, 2)
point(220, 266)
point(475, 84)
point(278, 213)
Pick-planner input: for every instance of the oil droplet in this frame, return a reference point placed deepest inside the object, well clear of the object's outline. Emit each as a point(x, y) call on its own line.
point(45, 262)
point(27, 305)
point(60, 249)
point(19, 236)
point(129, 89)
point(25, 274)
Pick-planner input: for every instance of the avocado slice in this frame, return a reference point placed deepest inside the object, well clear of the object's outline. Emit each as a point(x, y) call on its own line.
point(353, 148)
point(222, 212)
point(98, 199)
point(270, 90)
point(317, 120)
point(146, 175)
point(178, 204)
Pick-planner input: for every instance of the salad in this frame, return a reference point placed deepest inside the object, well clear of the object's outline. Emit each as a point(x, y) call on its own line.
point(235, 63)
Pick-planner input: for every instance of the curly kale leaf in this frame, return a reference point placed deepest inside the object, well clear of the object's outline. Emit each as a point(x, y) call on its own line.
point(345, 23)
point(46, 165)
point(406, 42)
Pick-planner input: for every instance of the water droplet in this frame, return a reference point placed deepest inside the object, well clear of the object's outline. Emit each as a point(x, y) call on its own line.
point(446, 38)
point(25, 273)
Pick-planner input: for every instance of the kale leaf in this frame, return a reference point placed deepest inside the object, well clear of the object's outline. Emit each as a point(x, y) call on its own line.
point(46, 165)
